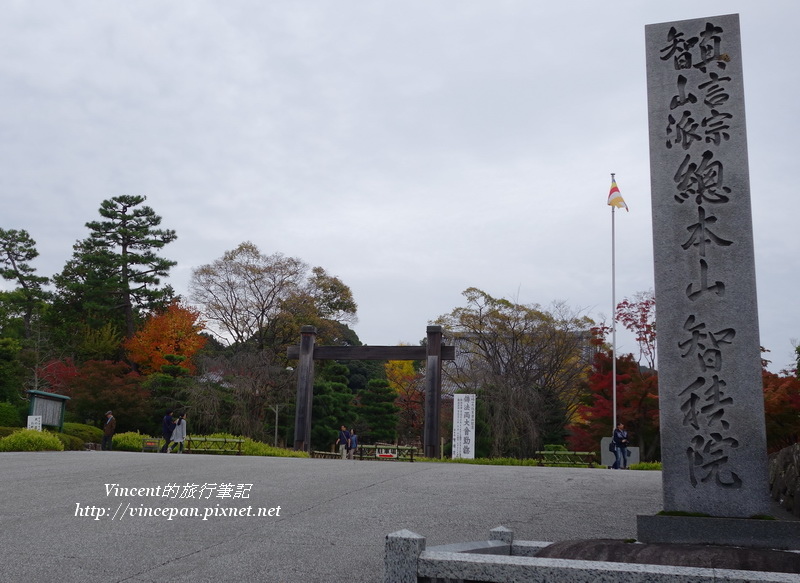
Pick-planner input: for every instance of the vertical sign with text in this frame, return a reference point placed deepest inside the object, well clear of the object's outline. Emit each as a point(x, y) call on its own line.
point(464, 426)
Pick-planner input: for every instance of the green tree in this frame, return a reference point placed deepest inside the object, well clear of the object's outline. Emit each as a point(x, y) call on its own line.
point(17, 250)
point(11, 371)
point(377, 413)
point(116, 271)
point(332, 405)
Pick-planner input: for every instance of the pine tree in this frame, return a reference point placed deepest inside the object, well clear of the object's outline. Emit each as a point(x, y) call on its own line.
point(116, 270)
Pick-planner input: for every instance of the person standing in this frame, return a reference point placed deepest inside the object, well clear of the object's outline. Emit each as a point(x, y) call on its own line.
point(343, 441)
point(179, 434)
point(109, 427)
point(167, 427)
point(353, 443)
point(620, 440)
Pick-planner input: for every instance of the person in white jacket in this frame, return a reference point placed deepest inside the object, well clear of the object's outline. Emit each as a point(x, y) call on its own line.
point(179, 434)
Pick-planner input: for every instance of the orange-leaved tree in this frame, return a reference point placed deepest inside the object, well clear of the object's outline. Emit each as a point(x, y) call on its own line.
point(409, 385)
point(173, 332)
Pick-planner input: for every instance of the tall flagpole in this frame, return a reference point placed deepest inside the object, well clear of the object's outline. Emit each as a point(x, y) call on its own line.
point(613, 321)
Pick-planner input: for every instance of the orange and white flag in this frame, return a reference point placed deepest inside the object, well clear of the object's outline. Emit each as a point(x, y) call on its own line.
point(615, 198)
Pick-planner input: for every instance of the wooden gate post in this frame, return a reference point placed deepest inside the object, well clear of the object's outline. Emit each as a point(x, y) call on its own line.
point(305, 389)
point(433, 392)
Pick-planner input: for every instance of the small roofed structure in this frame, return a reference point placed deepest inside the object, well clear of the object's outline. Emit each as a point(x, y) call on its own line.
point(49, 406)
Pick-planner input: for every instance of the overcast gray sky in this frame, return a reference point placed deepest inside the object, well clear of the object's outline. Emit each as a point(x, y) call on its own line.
point(411, 148)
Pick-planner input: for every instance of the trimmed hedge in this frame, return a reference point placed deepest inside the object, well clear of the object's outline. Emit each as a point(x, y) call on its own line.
point(250, 447)
point(70, 442)
point(31, 440)
point(86, 433)
point(129, 441)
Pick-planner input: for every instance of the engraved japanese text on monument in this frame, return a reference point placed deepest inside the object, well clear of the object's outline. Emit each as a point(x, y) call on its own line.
point(709, 364)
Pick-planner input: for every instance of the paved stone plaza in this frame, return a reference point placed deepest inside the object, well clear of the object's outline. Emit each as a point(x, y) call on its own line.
point(333, 518)
point(332, 521)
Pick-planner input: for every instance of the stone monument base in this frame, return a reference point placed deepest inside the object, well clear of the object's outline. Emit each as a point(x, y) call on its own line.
point(742, 532)
point(501, 559)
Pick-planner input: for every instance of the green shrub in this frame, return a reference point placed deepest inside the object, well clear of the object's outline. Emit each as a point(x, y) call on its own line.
point(31, 440)
point(554, 448)
point(7, 430)
point(10, 415)
point(250, 447)
point(646, 466)
point(130, 441)
point(70, 442)
point(86, 433)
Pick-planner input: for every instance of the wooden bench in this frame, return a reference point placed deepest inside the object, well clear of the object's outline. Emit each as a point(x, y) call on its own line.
point(566, 458)
point(373, 452)
point(214, 445)
point(327, 455)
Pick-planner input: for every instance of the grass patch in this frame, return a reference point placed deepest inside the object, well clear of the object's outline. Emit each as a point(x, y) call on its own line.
point(683, 513)
point(648, 466)
point(500, 461)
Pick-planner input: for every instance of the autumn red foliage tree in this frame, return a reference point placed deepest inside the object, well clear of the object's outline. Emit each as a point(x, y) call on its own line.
point(637, 407)
point(173, 332)
point(102, 385)
point(57, 376)
point(781, 409)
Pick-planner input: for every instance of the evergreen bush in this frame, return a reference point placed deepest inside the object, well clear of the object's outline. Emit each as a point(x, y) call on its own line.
point(250, 447)
point(87, 433)
point(10, 415)
point(129, 441)
point(31, 440)
point(70, 442)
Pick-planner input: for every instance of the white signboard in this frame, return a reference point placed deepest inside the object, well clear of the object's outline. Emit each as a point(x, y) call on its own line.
point(386, 452)
point(35, 422)
point(464, 426)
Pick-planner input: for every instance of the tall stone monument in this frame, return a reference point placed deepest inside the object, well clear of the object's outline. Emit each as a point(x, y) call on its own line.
point(713, 439)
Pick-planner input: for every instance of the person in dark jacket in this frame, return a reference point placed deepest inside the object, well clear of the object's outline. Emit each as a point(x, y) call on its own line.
point(343, 441)
point(167, 427)
point(109, 427)
point(620, 448)
point(353, 443)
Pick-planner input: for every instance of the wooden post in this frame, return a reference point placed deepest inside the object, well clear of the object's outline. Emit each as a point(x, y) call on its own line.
point(305, 389)
point(433, 392)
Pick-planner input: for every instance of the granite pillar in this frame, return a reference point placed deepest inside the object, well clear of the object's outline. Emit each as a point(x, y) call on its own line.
point(713, 439)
